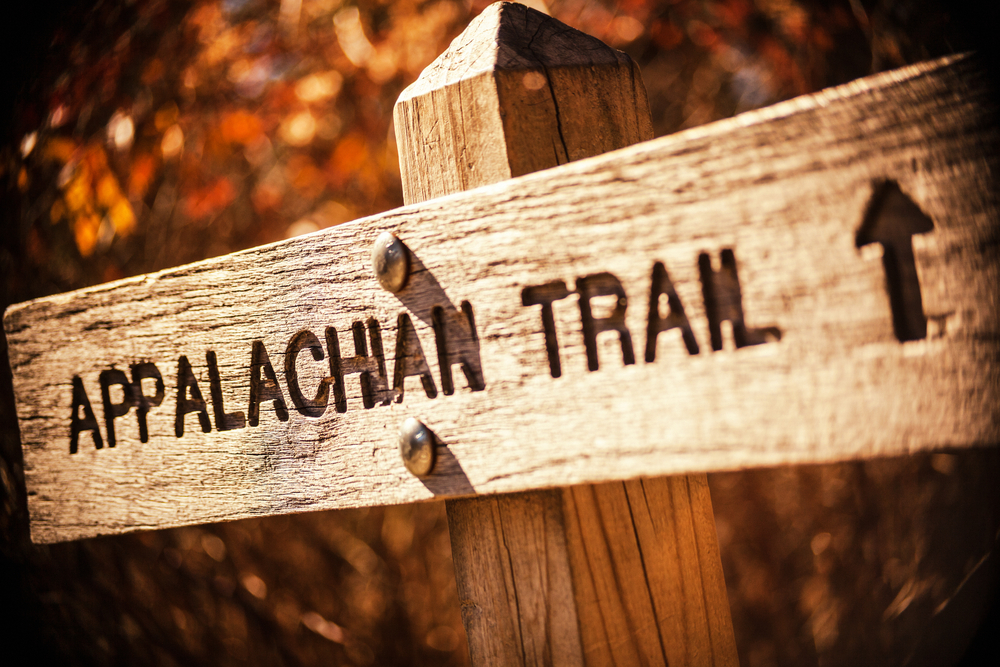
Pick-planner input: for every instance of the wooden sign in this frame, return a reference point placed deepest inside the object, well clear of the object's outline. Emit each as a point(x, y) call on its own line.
point(811, 282)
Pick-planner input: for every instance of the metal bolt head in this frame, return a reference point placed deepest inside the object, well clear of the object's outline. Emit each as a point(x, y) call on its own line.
point(390, 262)
point(416, 446)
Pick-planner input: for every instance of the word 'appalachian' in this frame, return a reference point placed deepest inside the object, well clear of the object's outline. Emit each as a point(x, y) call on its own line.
point(455, 338)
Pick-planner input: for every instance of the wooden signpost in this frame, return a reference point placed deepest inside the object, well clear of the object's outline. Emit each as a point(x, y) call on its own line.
point(615, 573)
point(811, 282)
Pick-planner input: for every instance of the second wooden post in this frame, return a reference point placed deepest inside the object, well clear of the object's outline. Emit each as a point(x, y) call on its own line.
point(622, 573)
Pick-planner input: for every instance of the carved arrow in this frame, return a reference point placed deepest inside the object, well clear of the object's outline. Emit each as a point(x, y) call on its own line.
point(892, 220)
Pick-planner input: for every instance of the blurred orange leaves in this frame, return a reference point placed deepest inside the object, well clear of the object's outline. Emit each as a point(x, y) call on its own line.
point(91, 197)
point(350, 156)
point(305, 177)
point(251, 116)
point(209, 200)
point(240, 127)
point(143, 170)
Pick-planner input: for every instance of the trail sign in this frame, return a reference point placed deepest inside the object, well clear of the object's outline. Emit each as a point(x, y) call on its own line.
point(725, 297)
point(811, 282)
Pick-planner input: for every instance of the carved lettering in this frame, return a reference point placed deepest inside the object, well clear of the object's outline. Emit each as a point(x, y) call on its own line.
point(315, 407)
point(720, 289)
point(112, 410)
point(223, 421)
point(544, 296)
point(140, 372)
point(189, 399)
point(410, 360)
point(88, 422)
point(370, 368)
point(724, 302)
point(892, 219)
point(457, 343)
point(675, 319)
point(264, 388)
point(603, 284)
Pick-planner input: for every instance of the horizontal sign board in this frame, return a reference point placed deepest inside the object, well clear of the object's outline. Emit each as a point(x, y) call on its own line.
point(811, 282)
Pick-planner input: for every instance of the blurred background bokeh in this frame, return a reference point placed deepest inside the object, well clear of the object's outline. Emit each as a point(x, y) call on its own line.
point(137, 135)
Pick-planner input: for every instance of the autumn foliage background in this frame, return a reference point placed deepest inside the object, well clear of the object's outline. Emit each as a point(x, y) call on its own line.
point(143, 134)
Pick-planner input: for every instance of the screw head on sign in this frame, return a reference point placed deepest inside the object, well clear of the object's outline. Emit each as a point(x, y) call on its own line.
point(390, 262)
point(416, 446)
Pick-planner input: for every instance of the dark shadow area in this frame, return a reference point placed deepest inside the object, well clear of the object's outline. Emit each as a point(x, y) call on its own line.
point(882, 562)
point(985, 647)
point(455, 335)
point(423, 292)
point(447, 477)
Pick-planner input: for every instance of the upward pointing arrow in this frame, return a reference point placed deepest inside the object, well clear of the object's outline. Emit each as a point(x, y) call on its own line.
point(892, 220)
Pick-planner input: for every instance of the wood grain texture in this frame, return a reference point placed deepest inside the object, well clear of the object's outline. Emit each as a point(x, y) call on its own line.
point(512, 95)
point(786, 188)
point(528, 595)
point(514, 579)
point(603, 574)
point(510, 551)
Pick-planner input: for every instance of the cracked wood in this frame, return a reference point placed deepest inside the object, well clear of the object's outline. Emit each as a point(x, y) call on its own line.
point(785, 188)
point(580, 575)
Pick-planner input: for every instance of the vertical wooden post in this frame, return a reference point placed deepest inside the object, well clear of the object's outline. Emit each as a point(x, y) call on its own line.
point(608, 574)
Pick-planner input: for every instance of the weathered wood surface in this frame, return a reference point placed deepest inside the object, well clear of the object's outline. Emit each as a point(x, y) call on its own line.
point(619, 573)
point(647, 573)
point(513, 96)
point(590, 574)
point(786, 189)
